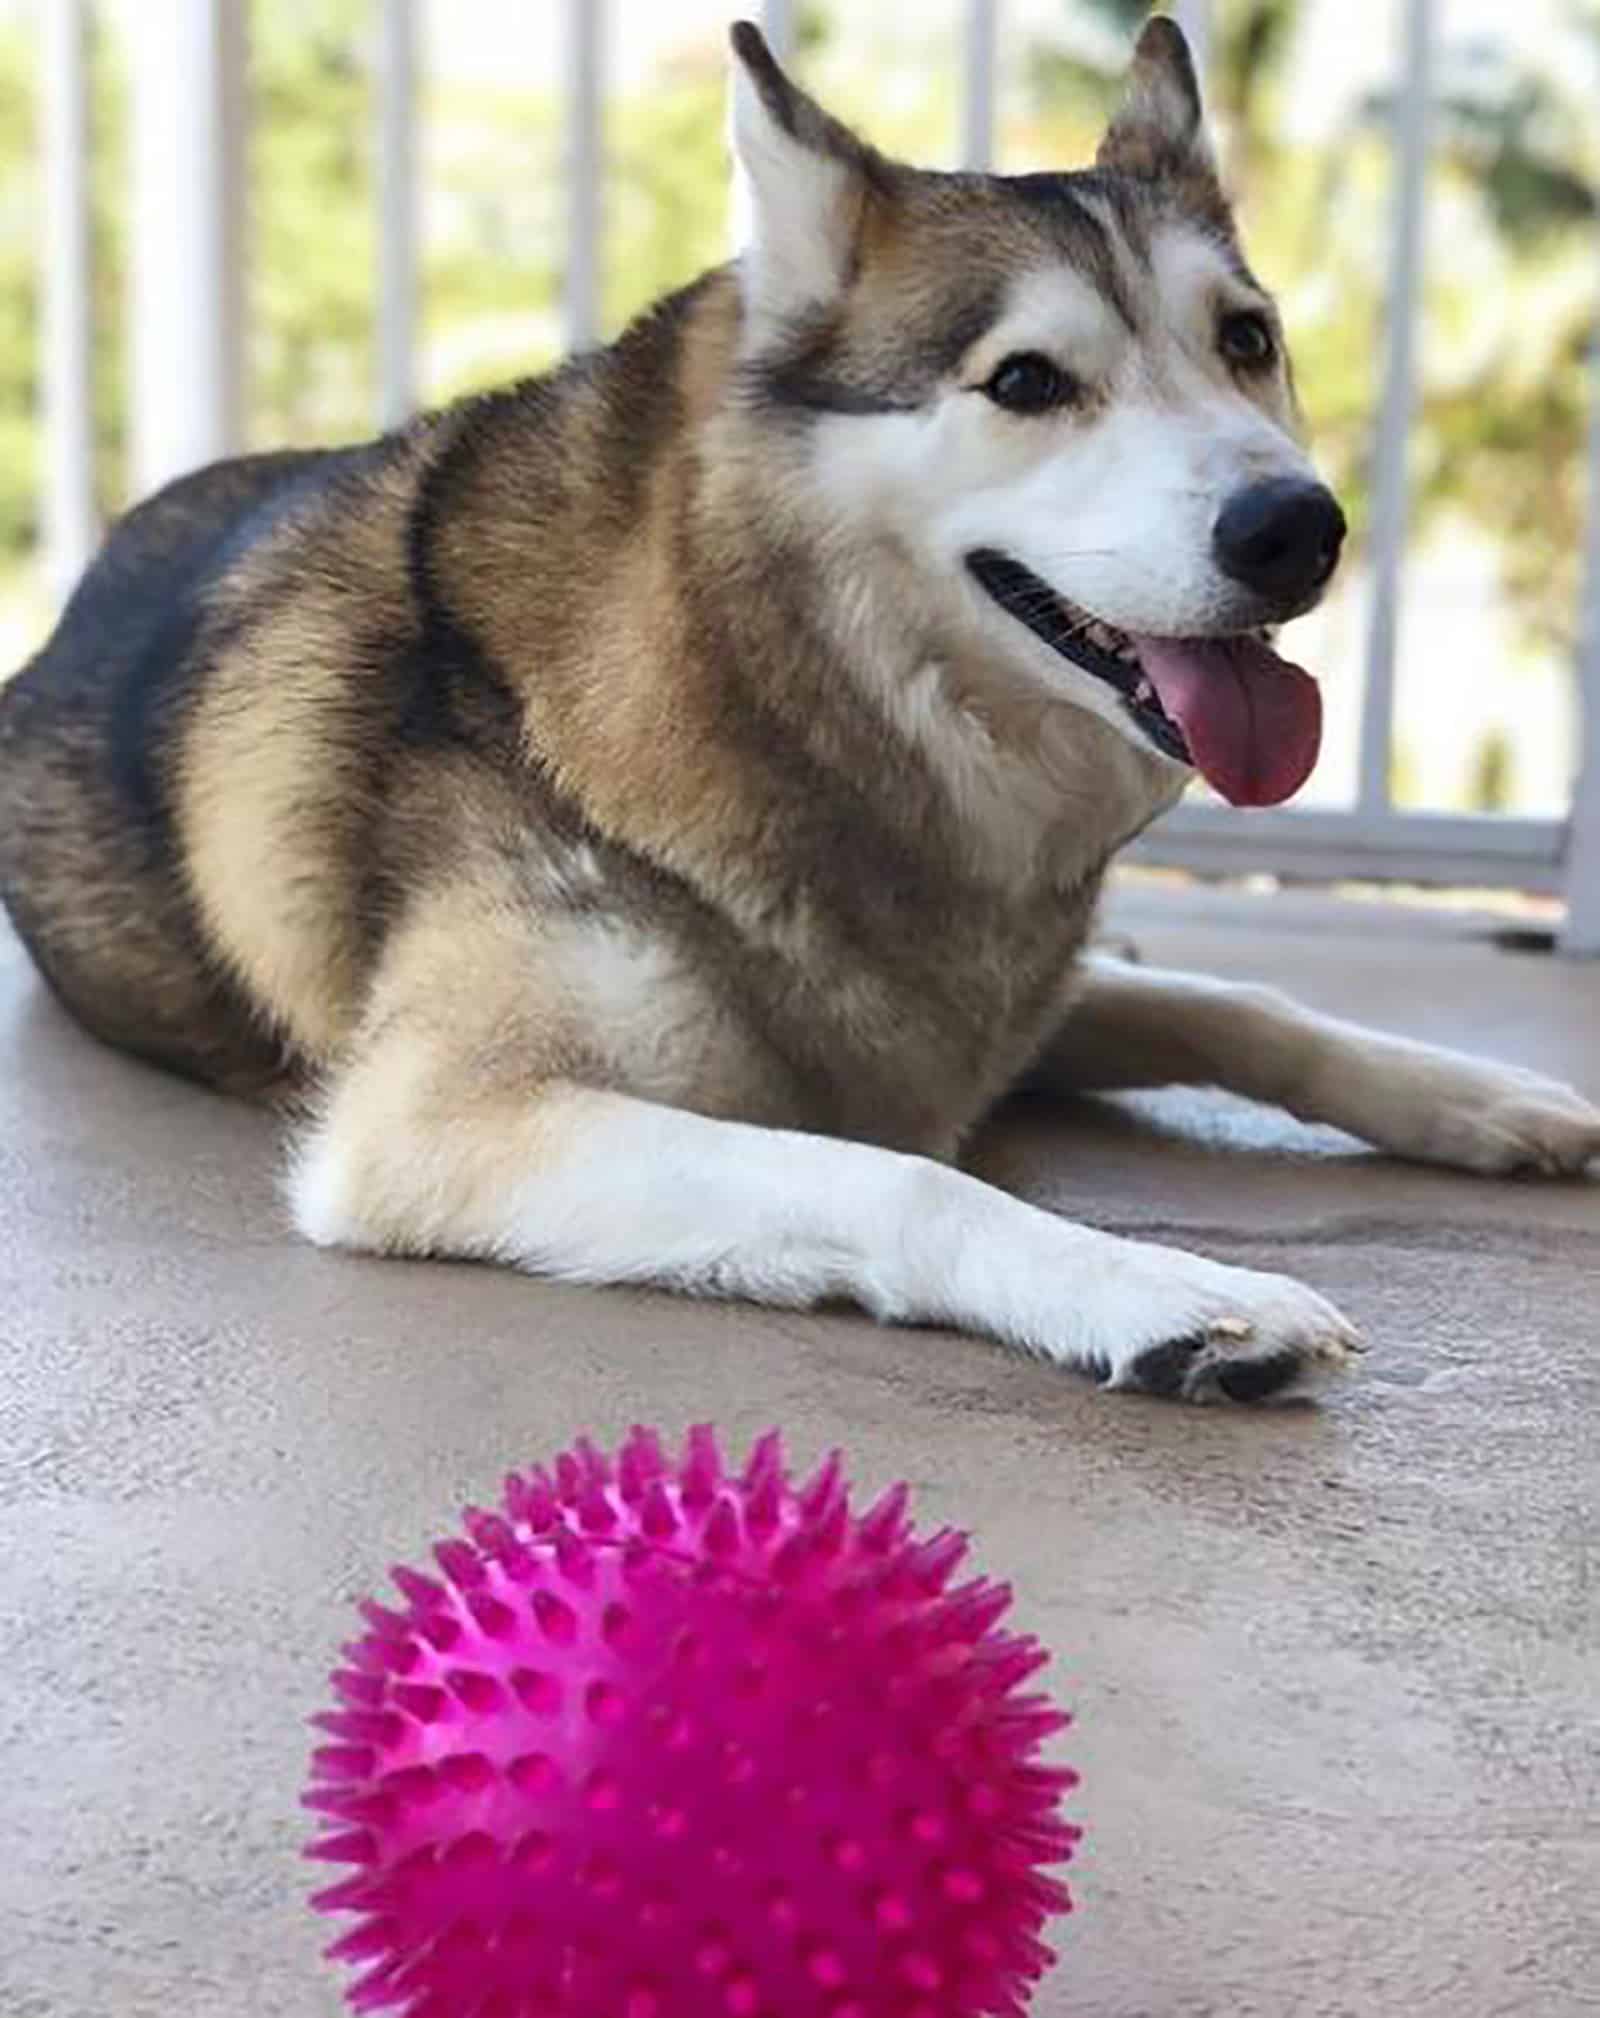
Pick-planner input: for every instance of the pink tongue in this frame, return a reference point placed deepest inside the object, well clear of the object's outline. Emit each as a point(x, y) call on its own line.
point(1252, 721)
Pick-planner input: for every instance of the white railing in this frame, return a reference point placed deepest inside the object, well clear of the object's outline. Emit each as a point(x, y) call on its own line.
point(189, 88)
point(397, 184)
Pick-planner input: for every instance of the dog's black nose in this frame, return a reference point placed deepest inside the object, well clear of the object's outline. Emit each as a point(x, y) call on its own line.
point(1280, 538)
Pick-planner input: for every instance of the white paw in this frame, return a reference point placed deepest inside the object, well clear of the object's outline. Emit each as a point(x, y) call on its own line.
point(1203, 1331)
point(1498, 1119)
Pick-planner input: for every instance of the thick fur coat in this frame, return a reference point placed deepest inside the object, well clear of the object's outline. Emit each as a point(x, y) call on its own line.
point(645, 818)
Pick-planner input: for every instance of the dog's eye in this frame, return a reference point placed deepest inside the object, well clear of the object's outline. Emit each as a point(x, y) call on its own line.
point(1028, 382)
point(1246, 338)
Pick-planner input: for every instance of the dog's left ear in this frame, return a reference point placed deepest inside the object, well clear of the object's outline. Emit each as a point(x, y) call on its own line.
point(809, 180)
point(1159, 130)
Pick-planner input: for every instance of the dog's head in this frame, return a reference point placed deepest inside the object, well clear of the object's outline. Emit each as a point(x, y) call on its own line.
point(1066, 397)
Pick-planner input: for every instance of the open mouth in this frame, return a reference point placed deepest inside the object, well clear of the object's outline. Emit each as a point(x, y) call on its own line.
point(1110, 655)
point(1231, 708)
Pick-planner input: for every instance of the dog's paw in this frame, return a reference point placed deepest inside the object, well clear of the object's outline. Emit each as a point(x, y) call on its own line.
point(1244, 1337)
point(1498, 1121)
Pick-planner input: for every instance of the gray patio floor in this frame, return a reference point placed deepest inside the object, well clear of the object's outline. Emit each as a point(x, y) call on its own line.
point(1335, 1670)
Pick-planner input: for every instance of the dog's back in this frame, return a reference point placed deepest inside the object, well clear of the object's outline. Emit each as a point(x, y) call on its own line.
point(89, 866)
point(263, 723)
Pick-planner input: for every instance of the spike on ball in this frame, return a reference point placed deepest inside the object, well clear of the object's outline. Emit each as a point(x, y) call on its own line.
point(639, 1667)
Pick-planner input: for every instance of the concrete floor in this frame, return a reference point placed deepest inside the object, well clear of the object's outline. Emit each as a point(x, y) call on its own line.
point(1336, 1671)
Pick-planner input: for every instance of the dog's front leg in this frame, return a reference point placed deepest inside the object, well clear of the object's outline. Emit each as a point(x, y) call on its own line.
point(1139, 1026)
point(412, 1155)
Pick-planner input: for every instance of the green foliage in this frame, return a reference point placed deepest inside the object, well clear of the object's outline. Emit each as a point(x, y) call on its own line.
point(312, 247)
point(1494, 773)
point(668, 213)
point(1521, 138)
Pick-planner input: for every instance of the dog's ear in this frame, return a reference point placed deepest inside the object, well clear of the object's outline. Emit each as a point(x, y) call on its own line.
point(1159, 130)
point(807, 179)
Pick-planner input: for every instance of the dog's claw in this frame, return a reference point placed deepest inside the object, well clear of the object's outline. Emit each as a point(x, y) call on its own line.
point(1266, 1338)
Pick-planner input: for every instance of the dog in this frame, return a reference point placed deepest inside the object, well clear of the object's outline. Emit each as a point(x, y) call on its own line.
point(646, 817)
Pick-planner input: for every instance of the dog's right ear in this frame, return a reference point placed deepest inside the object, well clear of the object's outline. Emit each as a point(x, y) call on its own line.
point(808, 179)
point(1160, 129)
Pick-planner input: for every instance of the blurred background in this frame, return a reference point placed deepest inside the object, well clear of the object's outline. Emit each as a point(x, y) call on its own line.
point(406, 201)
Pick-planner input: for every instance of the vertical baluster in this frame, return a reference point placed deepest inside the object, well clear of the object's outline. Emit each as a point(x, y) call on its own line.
point(777, 24)
point(1391, 457)
point(584, 168)
point(396, 140)
point(189, 114)
point(1582, 934)
point(1194, 18)
point(979, 83)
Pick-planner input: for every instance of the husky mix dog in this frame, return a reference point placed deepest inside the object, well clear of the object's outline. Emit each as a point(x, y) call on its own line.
point(646, 817)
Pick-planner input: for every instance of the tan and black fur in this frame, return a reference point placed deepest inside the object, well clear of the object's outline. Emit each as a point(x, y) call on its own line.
point(511, 793)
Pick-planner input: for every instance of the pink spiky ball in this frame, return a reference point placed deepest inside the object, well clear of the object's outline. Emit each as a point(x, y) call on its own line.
point(670, 1742)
